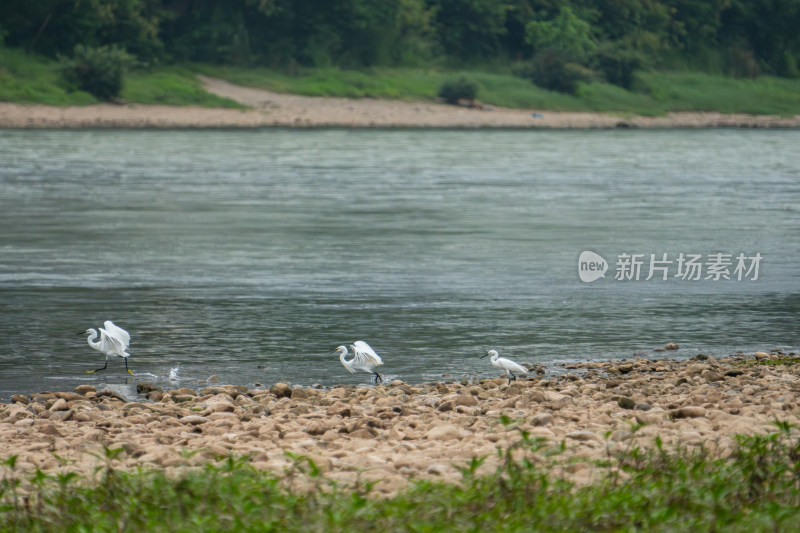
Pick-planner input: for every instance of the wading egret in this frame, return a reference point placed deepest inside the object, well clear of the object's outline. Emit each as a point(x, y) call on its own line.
point(504, 364)
point(364, 358)
point(113, 341)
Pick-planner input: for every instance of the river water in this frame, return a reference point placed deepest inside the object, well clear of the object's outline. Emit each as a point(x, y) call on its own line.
point(250, 255)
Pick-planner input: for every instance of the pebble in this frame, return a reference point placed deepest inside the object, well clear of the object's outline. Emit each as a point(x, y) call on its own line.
point(423, 430)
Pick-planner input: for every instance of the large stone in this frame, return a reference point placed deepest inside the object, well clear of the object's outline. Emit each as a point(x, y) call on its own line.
point(183, 391)
point(142, 387)
point(83, 389)
point(194, 420)
point(59, 405)
point(697, 368)
point(688, 412)
point(445, 406)
point(363, 433)
point(467, 400)
point(436, 469)
point(557, 400)
point(625, 402)
point(710, 375)
point(108, 393)
point(443, 432)
point(219, 399)
point(281, 390)
point(316, 428)
point(231, 390)
point(339, 409)
point(542, 419)
point(50, 429)
point(299, 393)
point(581, 435)
point(61, 416)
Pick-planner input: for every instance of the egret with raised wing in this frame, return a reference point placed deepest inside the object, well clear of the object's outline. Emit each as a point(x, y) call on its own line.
point(113, 341)
point(504, 364)
point(364, 358)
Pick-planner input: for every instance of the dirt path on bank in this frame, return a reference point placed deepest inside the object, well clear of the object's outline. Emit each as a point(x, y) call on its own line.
point(267, 109)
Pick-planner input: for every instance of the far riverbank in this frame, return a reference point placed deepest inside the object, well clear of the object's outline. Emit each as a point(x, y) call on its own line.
point(269, 109)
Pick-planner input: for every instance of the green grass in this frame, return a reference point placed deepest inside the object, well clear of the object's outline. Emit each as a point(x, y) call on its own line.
point(756, 489)
point(25, 78)
point(656, 93)
point(397, 83)
point(691, 91)
point(171, 86)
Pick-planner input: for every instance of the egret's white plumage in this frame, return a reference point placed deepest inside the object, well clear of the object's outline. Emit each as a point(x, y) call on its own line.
point(364, 358)
point(113, 341)
point(504, 364)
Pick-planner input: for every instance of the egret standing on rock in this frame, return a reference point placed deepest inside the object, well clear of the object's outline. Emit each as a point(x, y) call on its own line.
point(504, 364)
point(364, 358)
point(113, 341)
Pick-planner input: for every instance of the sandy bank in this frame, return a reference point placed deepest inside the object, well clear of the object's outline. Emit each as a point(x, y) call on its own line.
point(268, 109)
point(396, 432)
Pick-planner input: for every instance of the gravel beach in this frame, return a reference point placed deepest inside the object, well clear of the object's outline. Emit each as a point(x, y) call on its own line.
point(396, 432)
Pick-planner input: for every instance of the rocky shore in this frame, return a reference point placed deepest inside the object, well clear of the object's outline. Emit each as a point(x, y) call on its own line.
point(269, 109)
point(392, 433)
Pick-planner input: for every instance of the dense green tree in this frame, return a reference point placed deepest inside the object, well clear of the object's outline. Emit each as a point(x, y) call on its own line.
point(694, 25)
point(612, 37)
point(54, 27)
point(470, 29)
point(770, 29)
point(566, 32)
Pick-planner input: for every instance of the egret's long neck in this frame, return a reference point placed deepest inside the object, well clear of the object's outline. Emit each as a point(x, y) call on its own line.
point(342, 353)
point(92, 336)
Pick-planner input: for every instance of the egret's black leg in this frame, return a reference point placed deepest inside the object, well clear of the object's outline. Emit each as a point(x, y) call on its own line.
point(511, 376)
point(378, 378)
point(99, 369)
point(126, 367)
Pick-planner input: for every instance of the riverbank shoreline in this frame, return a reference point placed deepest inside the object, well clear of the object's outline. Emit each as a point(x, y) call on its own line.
point(268, 109)
point(397, 432)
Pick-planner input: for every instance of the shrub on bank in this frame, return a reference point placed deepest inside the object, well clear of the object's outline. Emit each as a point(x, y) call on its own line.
point(98, 71)
point(461, 88)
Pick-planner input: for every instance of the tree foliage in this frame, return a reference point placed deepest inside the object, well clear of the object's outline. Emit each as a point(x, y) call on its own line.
point(584, 39)
point(98, 71)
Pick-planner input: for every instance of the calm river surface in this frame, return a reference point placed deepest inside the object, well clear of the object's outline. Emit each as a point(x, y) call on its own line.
point(252, 254)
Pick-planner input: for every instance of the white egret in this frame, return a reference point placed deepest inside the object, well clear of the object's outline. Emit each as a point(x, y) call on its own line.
point(364, 358)
point(113, 341)
point(504, 364)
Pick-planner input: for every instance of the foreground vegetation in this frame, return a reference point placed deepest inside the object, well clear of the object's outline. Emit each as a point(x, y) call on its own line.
point(756, 489)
